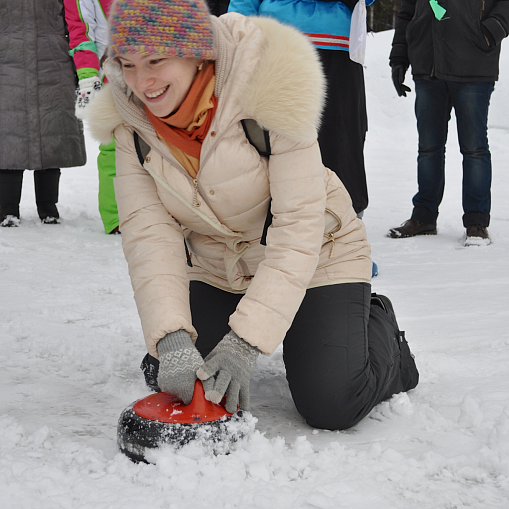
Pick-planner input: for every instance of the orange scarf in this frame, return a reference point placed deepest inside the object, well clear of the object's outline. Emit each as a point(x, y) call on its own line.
point(187, 127)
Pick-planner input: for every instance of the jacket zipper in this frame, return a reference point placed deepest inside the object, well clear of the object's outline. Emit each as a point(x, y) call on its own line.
point(196, 203)
point(330, 235)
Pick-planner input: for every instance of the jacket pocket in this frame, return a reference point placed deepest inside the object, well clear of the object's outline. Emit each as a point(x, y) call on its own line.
point(481, 41)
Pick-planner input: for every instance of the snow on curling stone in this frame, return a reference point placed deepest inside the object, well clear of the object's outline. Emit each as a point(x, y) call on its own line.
point(162, 419)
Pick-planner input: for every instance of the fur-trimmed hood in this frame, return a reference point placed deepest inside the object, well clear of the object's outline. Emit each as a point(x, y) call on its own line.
point(270, 70)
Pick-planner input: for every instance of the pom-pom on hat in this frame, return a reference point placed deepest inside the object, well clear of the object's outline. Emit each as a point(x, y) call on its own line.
point(179, 28)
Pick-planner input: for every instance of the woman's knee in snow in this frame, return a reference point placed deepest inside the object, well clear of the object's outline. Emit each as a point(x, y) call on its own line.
point(333, 415)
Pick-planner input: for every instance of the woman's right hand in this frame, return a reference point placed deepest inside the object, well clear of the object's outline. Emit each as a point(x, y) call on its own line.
point(178, 362)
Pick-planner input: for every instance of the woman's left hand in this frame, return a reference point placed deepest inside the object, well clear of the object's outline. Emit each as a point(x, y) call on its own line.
point(232, 360)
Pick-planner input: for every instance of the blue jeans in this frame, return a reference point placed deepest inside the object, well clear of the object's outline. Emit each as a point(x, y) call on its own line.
point(433, 104)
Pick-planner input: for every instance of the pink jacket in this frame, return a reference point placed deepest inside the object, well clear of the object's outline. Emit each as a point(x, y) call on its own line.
point(87, 21)
point(269, 72)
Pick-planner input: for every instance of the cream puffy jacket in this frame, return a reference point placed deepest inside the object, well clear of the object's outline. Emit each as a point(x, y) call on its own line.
point(268, 72)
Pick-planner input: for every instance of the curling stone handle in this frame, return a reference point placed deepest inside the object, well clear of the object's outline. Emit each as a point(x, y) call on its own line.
point(199, 393)
point(201, 406)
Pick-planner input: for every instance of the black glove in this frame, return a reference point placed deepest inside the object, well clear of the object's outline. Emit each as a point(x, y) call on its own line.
point(398, 77)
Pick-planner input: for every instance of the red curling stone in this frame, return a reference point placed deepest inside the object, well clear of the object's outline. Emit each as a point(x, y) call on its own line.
point(162, 419)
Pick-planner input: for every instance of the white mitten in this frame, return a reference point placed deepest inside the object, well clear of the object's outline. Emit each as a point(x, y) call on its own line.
point(87, 88)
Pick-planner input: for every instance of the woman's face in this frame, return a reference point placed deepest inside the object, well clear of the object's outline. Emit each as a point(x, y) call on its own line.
point(161, 82)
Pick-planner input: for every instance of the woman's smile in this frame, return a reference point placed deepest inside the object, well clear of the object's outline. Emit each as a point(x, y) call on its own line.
point(157, 93)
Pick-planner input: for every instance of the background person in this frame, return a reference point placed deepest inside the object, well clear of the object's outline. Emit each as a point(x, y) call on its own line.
point(38, 130)
point(344, 121)
point(88, 37)
point(454, 54)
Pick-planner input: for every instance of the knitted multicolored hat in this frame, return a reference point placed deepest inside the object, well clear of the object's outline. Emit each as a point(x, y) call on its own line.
point(180, 28)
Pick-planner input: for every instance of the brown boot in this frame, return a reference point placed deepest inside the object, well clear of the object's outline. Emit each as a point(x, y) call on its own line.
point(477, 235)
point(411, 228)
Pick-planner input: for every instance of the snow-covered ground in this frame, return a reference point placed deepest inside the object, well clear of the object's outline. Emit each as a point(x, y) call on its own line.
point(71, 344)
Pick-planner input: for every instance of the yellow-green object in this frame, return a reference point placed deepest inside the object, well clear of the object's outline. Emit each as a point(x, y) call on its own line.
point(107, 172)
point(438, 10)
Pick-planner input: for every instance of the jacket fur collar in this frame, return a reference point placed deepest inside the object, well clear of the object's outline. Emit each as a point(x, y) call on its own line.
point(276, 73)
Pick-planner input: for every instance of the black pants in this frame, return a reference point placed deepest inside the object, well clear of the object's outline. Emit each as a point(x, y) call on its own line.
point(345, 123)
point(46, 192)
point(343, 354)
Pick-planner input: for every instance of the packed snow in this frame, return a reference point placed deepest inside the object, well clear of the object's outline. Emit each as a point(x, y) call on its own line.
point(71, 345)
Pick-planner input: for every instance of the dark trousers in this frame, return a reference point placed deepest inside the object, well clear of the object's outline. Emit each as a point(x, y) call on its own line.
point(434, 100)
point(345, 123)
point(46, 192)
point(343, 353)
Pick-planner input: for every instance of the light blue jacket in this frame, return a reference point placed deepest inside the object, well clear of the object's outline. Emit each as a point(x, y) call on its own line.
point(327, 24)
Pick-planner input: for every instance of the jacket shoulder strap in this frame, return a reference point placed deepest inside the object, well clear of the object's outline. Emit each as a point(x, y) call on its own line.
point(257, 136)
point(141, 146)
point(260, 139)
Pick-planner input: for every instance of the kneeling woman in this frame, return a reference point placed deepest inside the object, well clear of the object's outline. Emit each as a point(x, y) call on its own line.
point(181, 82)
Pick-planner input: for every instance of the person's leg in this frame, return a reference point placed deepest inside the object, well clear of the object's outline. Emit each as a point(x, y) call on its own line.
point(344, 124)
point(432, 110)
point(46, 194)
point(471, 103)
point(343, 355)
point(211, 309)
point(10, 193)
point(107, 172)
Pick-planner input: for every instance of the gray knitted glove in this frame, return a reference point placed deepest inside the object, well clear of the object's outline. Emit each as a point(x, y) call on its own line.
point(178, 361)
point(232, 359)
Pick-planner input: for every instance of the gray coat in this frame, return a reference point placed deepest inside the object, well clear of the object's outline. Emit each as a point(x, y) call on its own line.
point(38, 128)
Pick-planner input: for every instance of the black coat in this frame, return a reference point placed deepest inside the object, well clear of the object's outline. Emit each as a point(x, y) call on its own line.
point(454, 48)
point(38, 128)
